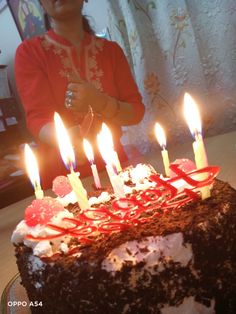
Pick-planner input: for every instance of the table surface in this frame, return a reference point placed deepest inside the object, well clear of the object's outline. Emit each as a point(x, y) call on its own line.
point(221, 151)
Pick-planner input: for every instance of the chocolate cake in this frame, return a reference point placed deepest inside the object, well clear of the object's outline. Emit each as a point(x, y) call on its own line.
point(168, 261)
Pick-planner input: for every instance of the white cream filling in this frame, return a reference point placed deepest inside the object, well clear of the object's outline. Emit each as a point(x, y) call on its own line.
point(105, 196)
point(35, 264)
point(150, 250)
point(42, 248)
point(189, 306)
point(137, 174)
point(71, 199)
point(102, 198)
point(140, 173)
point(45, 247)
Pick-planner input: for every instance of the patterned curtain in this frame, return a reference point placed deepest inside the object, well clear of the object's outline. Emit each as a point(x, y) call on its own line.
point(173, 47)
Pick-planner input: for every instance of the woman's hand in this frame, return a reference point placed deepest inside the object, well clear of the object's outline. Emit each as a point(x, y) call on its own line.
point(81, 95)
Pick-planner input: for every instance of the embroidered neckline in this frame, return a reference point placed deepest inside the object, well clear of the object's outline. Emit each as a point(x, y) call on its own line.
point(58, 39)
point(91, 47)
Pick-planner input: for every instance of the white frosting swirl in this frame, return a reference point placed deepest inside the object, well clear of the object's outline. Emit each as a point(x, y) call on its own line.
point(44, 247)
point(150, 250)
point(189, 306)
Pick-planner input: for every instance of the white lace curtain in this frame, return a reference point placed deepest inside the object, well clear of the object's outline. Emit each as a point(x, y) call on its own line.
point(178, 46)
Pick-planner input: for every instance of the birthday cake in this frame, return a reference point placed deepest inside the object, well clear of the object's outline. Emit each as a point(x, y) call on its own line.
point(160, 249)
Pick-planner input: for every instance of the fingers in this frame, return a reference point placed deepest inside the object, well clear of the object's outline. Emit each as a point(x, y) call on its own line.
point(74, 99)
point(78, 89)
point(83, 95)
point(73, 103)
point(69, 99)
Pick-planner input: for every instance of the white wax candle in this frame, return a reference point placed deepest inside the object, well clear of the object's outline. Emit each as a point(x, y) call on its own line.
point(110, 171)
point(68, 156)
point(96, 176)
point(33, 171)
point(79, 190)
point(117, 162)
point(38, 193)
point(166, 162)
point(192, 116)
point(107, 140)
point(200, 153)
point(116, 182)
point(161, 138)
point(118, 186)
point(201, 162)
point(88, 149)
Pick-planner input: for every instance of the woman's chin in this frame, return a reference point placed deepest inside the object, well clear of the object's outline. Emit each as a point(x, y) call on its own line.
point(66, 8)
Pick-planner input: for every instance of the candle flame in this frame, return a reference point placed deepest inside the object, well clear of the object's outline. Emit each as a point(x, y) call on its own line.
point(64, 143)
point(192, 115)
point(107, 134)
point(32, 167)
point(104, 148)
point(88, 150)
point(160, 135)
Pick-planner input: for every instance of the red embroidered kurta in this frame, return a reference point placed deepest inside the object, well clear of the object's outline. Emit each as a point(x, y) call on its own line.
point(42, 67)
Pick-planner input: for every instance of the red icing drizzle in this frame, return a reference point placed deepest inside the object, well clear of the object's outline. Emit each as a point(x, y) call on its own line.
point(136, 208)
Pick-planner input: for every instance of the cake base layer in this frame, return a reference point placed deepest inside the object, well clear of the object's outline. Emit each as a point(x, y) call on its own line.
point(181, 259)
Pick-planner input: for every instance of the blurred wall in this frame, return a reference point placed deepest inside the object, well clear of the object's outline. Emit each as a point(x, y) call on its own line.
point(9, 40)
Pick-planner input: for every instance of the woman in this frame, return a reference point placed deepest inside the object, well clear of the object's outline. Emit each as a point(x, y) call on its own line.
point(68, 70)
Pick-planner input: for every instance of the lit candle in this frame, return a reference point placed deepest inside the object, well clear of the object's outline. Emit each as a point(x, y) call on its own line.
point(68, 157)
point(107, 154)
point(107, 132)
point(32, 171)
point(193, 119)
point(161, 138)
point(89, 153)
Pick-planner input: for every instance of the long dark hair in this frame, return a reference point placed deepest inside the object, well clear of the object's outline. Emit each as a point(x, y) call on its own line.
point(85, 20)
point(86, 25)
